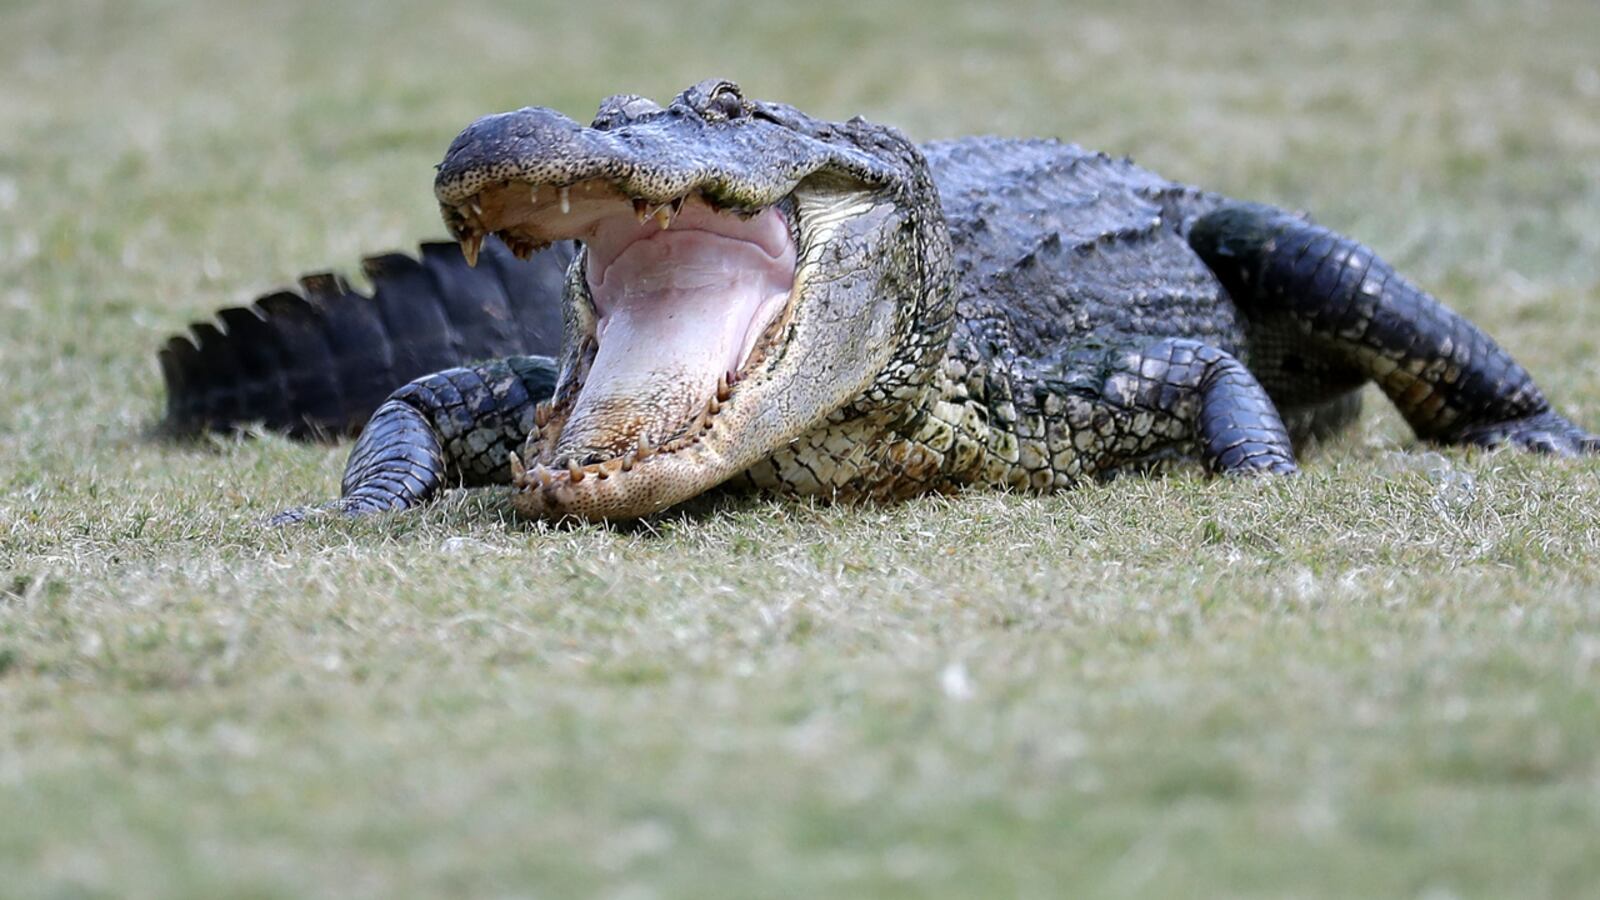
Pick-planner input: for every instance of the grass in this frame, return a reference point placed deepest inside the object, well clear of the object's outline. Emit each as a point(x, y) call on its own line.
point(1380, 679)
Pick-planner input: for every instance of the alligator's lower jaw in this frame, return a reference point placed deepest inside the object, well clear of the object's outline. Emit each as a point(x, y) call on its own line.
point(614, 491)
point(685, 302)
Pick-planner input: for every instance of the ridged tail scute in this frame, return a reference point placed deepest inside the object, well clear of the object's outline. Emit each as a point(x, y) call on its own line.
point(319, 361)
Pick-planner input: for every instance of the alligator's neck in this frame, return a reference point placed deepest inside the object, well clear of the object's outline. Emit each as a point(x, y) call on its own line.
point(974, 422)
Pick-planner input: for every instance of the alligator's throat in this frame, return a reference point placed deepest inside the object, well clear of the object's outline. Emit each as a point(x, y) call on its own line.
point(673, 303)
point(677, 311)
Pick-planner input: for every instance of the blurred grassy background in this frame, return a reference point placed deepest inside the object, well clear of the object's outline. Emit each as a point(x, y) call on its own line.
point(1377, 680)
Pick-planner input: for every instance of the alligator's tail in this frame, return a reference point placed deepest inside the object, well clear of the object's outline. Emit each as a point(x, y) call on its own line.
point(318, 362)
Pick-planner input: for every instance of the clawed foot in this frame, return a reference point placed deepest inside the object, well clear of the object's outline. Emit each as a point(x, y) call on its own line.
point(1265, 464)
point(1547, 432)
point(1261, 456)
point(350, 507)
point(294, 515)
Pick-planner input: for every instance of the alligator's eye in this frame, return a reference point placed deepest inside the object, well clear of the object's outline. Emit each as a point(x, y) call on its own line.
point(726, 102)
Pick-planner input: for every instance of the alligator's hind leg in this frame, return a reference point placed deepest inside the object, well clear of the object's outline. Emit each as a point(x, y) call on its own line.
point(458, 426)
point(1451, 382)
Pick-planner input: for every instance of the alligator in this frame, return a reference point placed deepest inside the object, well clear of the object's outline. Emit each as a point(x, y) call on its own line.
point(726, 293)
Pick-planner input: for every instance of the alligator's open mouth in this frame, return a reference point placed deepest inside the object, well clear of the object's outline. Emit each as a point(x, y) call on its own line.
point(742, 273)
point(686, 301)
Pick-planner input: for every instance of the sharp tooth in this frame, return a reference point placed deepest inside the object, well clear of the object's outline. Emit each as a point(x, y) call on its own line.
point(541, 415)
point(533, 195)
point(628, 460)
point(574, 471)
point(470, 245)
point(641, 211)
point(544, 476)
point(644, 450)
point(476, 209)
point(663, 218)
point(566, 201)
point(713, 406)
point(518, 472)
point(724, 389)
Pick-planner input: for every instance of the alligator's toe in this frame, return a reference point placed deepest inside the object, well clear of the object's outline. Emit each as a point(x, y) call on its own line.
point(291, 516)
point(1264, 464)
point(349, 507)
point(1548, 433)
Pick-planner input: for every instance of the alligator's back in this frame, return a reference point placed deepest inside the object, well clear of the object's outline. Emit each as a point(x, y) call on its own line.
point(320, 361)
point(1058, 248)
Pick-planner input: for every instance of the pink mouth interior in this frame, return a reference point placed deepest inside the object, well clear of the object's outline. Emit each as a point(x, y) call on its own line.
point(677, 309)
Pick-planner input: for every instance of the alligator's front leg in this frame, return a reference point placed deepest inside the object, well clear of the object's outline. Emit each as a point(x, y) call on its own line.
point(454, 427)
point(1100, 410)
point(1204, 396)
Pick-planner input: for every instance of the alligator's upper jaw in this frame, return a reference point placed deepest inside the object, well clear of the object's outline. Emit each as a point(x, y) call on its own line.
point(686, 301)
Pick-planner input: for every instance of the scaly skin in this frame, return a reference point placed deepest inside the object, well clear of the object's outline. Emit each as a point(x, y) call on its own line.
point(1086, 336)
point(983, 312)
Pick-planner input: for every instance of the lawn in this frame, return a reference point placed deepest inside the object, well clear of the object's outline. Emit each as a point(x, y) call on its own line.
point(1381, 679)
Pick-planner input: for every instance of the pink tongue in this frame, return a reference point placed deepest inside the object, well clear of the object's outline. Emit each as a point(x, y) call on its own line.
point(676, 311)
